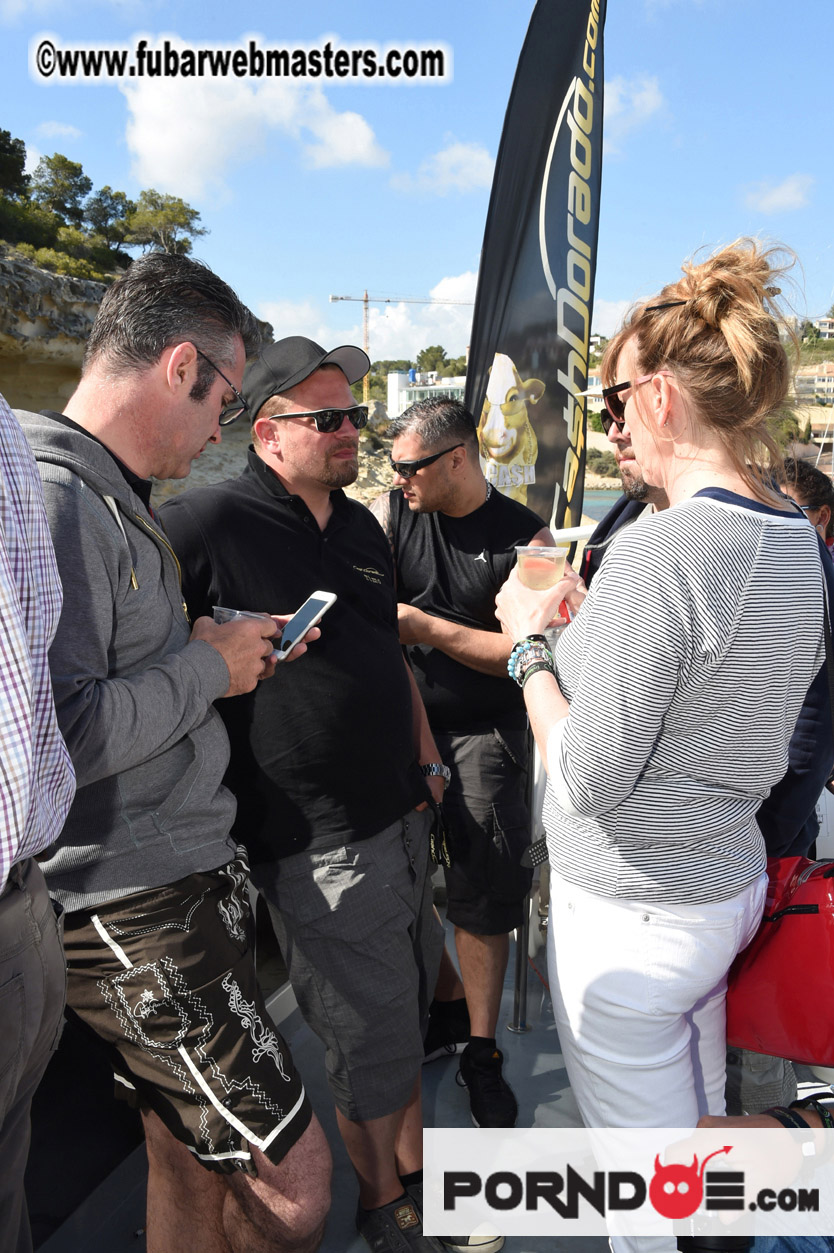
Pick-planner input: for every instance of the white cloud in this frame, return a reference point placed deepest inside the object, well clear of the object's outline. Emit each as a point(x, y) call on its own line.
point(341, 138)
point(220, 123)
point(629, 103)
point(33, 156)
point(608, 316)
point(791, 193)
point(58, 130)
point(395, 330)
point(457, 167)
point(289, 317)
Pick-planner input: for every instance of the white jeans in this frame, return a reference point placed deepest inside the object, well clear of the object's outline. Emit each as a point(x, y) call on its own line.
point(639, 999)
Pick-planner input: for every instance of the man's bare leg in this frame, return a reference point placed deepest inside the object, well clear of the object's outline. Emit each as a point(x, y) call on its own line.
point(381, 1149)
point(194, 1210)
point(483, 964)
point(408, 1148)
point(448, 986)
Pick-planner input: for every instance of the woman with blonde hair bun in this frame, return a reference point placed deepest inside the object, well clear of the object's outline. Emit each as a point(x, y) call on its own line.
point(665, 713)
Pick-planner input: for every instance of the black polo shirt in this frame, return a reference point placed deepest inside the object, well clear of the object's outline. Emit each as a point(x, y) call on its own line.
point(323, 752)
point(453, 568)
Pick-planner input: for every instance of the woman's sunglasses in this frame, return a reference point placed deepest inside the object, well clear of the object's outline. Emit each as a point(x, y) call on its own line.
point(329, 420)
point(615, 402)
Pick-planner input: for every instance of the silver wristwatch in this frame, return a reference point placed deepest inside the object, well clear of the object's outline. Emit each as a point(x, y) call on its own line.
point(437, 769)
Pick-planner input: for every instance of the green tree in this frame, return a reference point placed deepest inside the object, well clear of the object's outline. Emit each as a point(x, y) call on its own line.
point(106, 213)
point(163, 222)
point(23, 222)
point(602, 462)
point(401, 366)
point(61, 186)
point(432, 358)
point(13, 180)
point(784, 427)
point(457, 367)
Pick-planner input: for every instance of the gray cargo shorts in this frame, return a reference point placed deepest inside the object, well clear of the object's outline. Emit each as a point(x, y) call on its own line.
point(362, 945)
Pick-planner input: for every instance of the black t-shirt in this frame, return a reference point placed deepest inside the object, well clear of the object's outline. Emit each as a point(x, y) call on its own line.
point(323, 751)
point(453, 568)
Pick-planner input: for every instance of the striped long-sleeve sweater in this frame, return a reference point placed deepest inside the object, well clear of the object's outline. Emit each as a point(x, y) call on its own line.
point(685, 671)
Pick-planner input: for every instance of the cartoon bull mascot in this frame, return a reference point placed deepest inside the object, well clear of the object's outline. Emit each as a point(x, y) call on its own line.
point(506, 439)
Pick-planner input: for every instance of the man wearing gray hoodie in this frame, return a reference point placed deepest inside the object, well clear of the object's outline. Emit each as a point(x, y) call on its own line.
point(158, 932)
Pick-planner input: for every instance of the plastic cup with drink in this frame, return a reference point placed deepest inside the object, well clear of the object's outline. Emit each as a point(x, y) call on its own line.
point(541, 567)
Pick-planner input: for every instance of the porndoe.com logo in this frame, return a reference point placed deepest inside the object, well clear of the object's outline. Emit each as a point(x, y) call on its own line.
point(577, 1182)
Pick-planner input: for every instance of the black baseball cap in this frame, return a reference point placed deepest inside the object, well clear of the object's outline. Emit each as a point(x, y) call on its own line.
point(279, 366)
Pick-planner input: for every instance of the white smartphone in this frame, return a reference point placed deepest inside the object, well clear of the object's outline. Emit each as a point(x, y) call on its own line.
point(311, 612)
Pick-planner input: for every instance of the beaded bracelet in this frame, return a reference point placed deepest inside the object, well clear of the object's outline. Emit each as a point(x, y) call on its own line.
point(528, 650)
point(529, 641)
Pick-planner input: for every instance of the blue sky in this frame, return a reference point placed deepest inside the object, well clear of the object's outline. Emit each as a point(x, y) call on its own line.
point(716, 122)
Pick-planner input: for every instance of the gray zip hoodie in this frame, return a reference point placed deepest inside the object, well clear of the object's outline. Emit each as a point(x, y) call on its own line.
point(133, 696)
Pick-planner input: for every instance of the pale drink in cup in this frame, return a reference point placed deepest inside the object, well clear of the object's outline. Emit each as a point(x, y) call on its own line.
point(540, 567)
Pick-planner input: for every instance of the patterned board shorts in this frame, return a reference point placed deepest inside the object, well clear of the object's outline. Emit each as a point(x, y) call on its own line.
point(166, 978)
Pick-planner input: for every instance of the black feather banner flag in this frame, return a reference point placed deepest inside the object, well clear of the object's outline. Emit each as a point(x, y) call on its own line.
point(531, 332)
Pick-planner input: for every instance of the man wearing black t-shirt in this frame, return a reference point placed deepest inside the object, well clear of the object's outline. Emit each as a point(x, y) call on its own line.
point(332, 802)
point(453, 537)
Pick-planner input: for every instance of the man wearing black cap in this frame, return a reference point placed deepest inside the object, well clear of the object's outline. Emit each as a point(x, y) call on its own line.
point(332, 774)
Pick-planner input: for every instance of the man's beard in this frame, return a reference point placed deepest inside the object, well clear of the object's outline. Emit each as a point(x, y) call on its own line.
point(635, 486)
point(340, 473)
point(635, 489)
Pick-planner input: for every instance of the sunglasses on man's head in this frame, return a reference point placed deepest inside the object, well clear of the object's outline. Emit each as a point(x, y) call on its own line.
point(407, 469)
point(329, 420)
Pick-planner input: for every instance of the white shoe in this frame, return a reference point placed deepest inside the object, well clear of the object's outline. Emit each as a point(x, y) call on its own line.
point(484, 1238)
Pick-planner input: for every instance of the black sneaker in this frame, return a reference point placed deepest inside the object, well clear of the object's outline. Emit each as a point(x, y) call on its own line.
point(491, 1098)
point(448, 1029)
point(484, 1240)
point(395, 1228)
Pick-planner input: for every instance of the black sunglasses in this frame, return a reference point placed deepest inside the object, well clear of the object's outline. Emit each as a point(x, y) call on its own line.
point(615, 403)
point(407, 469)
point(229, 413)
point(329, 420)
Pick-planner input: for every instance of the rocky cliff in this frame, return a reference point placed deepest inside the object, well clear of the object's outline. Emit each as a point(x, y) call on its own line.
point(44, 323)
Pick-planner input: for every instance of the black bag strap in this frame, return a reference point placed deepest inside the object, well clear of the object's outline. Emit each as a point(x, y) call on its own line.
point(826, 633)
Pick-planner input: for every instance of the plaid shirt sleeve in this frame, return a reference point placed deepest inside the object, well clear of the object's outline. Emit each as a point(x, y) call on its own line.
point(37, 782)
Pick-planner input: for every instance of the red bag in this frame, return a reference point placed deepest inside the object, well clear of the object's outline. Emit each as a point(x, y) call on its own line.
point(780, 994)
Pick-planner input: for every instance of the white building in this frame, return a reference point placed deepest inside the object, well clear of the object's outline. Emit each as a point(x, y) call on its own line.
point(815, 382)
point(404, 390)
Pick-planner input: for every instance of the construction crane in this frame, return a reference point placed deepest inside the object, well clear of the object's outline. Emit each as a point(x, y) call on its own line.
point(387, 300)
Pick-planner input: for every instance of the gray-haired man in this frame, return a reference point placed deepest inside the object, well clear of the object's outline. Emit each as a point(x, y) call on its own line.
point(158, 934)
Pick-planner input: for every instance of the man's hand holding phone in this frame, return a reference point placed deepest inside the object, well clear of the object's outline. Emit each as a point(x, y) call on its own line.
point(239, 636)
point(245, 644)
